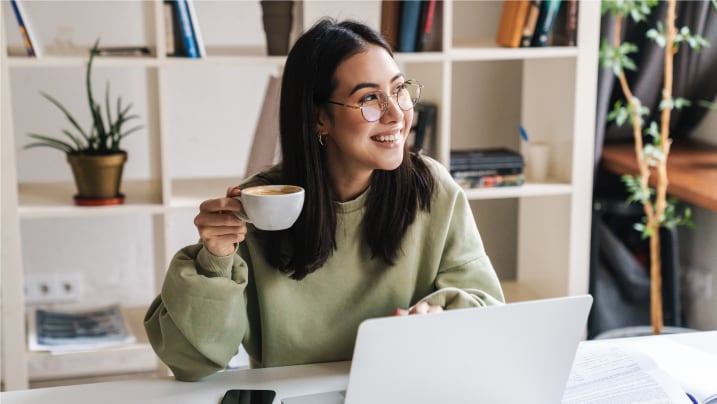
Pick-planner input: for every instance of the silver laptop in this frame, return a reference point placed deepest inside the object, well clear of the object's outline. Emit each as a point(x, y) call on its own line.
point(514, 353)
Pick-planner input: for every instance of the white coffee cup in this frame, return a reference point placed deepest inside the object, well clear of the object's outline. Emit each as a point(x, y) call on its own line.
point(271, 207)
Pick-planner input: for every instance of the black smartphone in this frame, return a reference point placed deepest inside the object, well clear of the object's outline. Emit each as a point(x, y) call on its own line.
point(248, 396)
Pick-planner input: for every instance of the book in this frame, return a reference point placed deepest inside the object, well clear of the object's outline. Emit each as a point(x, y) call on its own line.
point(390, 20)
point(566, 24)
point(425, 25)
point(169, 27)
point(60, 331)
point(178, 36)
point(32, 45)
point(187, 33)
point(486, 159)
point(410, 16)
point(423, 129)
point(546, 20)
point(512, 21)
point(489, 180)
point(530, 21)
point(198, 38)
point(621, 371)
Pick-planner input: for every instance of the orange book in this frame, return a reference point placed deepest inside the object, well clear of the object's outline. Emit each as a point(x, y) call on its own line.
point(512, 21)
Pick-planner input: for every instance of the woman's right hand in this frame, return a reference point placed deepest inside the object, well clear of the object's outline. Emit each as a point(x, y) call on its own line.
point(219, 228)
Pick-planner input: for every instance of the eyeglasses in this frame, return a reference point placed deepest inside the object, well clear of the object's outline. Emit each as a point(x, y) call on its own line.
point(375, 104)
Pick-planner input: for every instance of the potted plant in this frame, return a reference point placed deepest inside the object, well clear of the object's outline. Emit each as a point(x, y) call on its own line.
point(652, 141)
point(95, 155)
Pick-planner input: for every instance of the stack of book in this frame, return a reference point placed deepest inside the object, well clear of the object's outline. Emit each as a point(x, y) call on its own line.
point(532, 23)
point(412, 25)
point(484, 168)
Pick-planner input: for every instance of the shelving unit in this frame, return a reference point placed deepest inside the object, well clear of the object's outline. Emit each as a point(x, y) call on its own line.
point(199, 118)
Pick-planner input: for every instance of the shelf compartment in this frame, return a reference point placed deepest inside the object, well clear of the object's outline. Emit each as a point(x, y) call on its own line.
point(137, 357)
point(54, 199)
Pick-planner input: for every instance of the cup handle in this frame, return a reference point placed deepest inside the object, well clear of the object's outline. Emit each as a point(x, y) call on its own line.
point(241, 215)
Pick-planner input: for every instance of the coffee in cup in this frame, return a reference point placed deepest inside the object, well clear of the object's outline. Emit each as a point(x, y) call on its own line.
point(271, 207)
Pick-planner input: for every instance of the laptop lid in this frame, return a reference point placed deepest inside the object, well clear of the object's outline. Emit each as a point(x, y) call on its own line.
point(514, 353)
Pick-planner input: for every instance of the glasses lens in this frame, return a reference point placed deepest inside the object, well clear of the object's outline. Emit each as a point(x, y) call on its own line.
point(373, 107)
point(408, 95)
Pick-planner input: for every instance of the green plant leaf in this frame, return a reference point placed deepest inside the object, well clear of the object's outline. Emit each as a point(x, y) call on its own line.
point(67, 113)
point(47, 141)
point(654, 132)
point(652, 154)
point(707, 104)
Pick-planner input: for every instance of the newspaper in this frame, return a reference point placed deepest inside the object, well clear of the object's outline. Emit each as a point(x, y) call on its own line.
point(59, 331)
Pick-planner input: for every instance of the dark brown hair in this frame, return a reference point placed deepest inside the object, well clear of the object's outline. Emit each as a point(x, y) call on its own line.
point(394, 196)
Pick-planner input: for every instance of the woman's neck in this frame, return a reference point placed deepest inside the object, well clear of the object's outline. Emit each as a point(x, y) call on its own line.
point(349, 187)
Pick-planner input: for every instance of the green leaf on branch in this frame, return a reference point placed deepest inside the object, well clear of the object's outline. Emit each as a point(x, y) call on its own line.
point(652, 154)
point(696, 42)
point(634, 187)
point(658, 35)
point(672, 218)
point(675, 103)
point(653, 131)
point(622, 113)
point(617, 58)
point(638, 10)
point(707, 104)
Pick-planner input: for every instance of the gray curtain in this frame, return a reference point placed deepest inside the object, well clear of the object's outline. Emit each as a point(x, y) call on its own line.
point(695, 73)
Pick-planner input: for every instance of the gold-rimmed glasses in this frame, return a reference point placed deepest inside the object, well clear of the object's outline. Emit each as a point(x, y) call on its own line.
point(374, 105)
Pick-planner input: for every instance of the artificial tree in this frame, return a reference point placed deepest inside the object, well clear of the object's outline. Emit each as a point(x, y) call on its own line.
point(652, 142)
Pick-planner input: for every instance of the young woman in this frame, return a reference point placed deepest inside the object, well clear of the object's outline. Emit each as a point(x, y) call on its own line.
point(383, 231)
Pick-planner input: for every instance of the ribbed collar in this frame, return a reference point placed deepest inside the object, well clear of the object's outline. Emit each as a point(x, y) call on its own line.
point(353, 205)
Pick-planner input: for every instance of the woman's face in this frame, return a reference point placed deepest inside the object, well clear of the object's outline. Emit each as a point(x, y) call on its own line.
point(354, 146)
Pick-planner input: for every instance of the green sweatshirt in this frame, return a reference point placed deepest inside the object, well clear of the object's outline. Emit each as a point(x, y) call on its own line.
point(210, 305)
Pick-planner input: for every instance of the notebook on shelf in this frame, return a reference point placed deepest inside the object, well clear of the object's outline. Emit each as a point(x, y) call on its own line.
point(514, 353)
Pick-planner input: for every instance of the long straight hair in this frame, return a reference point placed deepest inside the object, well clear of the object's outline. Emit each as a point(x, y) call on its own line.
point(394, 197)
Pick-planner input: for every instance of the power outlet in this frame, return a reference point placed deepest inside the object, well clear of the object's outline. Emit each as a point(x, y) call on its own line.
point(46, 288)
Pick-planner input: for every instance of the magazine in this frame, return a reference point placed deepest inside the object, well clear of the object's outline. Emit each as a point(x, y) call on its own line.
point(60, 331)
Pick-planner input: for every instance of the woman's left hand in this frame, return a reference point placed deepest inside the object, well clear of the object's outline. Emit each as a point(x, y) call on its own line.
point(420, 308)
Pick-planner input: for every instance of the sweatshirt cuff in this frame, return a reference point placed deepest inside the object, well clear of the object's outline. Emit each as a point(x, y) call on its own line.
point(213, 265)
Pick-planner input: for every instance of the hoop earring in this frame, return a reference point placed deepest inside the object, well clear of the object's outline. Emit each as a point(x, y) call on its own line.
point(321, 139)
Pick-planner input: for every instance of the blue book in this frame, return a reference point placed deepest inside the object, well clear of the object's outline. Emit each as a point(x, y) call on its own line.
point(185, 24)
point(410, 17)
point(546, 20)
point(31, 45)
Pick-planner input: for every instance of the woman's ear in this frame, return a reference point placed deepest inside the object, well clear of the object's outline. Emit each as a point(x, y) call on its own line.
point(322, 122)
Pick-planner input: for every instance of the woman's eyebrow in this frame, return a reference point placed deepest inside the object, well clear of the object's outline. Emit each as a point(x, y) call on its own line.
point(373, 85)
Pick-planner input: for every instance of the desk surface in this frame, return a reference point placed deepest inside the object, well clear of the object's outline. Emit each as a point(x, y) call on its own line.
point(691, 170)
point(287, 381)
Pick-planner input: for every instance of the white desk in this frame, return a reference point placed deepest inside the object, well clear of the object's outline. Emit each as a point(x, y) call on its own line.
point(287, 381)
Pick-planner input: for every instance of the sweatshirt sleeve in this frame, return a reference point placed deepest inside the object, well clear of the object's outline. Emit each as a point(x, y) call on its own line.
point(199, 319)
point(466, 277)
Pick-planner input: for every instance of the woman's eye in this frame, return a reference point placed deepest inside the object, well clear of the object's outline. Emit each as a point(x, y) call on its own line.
point(370, 97)
point(399, 88)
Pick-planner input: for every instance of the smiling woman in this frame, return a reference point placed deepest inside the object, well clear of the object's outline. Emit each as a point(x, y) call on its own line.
point(382, 231)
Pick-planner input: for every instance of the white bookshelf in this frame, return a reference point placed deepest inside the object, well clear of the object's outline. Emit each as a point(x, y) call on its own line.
point(199, 113)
